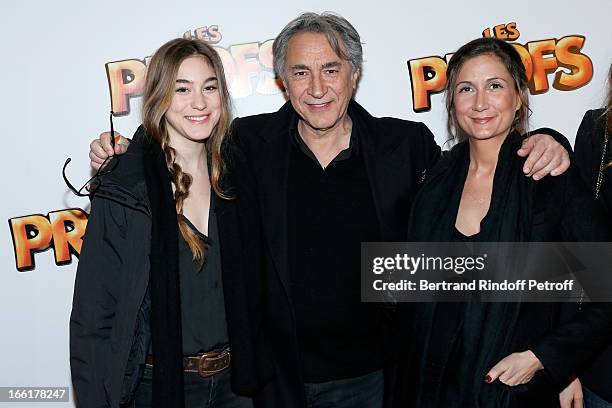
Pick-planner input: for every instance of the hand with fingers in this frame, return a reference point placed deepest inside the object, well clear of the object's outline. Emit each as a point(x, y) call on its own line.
point(100, 149)
point(545, 156)
point(571, 396)
point(515, 369)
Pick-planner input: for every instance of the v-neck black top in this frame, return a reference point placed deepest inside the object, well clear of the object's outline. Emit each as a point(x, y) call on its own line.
point(203, 319)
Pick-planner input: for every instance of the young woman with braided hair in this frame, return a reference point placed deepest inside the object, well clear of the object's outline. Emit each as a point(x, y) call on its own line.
point(148, 322)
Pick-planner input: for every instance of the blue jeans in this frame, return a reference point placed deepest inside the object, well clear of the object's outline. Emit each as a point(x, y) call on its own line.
point(592, 400)
point(358, 392)
point(212, 392)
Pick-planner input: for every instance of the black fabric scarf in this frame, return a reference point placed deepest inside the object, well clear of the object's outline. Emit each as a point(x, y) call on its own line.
point(165, 322)
point(487, 327)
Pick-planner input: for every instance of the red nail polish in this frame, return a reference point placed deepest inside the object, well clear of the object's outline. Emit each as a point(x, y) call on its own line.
point(488, 378)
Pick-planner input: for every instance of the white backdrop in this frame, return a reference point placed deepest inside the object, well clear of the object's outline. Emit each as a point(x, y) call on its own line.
point(56, 99)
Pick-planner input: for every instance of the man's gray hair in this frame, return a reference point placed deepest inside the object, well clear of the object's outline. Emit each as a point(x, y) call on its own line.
point(342, 37)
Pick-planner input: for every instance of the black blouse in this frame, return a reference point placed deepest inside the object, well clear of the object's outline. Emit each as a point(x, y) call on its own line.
point(202, 306)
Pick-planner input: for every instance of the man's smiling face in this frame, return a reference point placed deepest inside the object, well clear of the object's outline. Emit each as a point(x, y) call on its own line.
point(318, 81)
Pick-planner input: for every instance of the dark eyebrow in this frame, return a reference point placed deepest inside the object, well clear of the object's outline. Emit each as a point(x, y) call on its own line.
point(463, 82)
point(186, 81)
point(333, 64)
point(488, 80)
point(299, 66)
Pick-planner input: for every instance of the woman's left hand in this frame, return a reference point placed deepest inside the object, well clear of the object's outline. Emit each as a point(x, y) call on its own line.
point(517, 368)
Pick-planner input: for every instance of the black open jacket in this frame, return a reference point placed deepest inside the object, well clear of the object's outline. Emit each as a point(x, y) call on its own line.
point(555, 209)
point(108, 325)
point(110, 321)
point(396, 154)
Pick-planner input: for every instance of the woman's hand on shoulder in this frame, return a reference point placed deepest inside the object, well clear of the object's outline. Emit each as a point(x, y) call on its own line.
point(515, 369)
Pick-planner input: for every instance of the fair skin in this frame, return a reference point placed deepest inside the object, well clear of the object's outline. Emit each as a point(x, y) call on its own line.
point(191, 119)
point(320, 84)
point(486, 101)
point(485, 104)
point(519, 368)
point(571, 396)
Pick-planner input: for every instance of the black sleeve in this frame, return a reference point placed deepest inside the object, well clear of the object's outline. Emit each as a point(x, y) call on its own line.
point(575, 342)
point(93, 304)
point(586, 155)
point(428, 152)
point(245, 274)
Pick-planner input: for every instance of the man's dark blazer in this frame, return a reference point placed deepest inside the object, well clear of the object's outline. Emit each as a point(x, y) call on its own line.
point(261, 319)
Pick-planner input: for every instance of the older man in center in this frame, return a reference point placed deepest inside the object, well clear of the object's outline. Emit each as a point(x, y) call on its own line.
point(315, 180)
point(311, 183)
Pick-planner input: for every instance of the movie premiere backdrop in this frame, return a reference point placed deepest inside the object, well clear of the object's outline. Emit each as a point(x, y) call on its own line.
point(66, 64)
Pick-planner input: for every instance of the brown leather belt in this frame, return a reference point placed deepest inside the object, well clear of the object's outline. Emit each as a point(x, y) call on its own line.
point(206, 365)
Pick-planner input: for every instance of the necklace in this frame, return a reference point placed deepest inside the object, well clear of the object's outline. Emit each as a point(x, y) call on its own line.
point(602, 164)
point(480, 201)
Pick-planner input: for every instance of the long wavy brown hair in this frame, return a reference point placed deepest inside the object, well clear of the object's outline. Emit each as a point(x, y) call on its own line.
point(606, 116)
point(157, 97)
